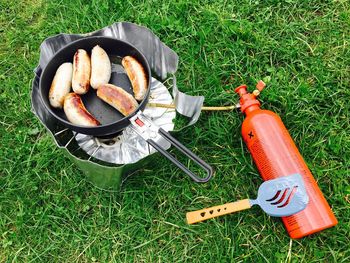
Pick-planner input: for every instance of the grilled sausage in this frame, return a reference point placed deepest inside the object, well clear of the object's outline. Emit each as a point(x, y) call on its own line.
point(60, 85)
point(77, 113)
point(81, 72)
point(137, 76)
point(100, 67)
point(117, 98)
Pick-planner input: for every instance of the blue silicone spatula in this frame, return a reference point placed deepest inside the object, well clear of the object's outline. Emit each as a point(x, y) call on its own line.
point(283, 196)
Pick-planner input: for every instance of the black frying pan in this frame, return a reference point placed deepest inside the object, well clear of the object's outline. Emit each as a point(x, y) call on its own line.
point(111, 120)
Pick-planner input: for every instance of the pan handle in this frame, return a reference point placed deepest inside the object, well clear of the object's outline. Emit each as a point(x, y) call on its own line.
point(150, 132)
point(186, 152)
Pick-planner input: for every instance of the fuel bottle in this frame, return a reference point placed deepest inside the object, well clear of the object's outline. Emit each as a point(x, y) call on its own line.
point(275, 155)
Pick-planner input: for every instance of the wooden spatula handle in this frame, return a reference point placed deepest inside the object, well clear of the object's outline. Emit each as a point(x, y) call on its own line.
point(215, 211)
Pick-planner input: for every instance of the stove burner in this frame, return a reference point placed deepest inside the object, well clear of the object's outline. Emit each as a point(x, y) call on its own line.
point(107, 142)
point(102, 138)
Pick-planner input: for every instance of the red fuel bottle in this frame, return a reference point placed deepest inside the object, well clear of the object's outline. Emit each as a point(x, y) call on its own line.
point(275, 155)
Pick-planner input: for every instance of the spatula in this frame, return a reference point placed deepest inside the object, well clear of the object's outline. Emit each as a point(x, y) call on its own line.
point(283, 196)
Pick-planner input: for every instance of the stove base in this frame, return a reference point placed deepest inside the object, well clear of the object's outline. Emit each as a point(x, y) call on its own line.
point(109, 178)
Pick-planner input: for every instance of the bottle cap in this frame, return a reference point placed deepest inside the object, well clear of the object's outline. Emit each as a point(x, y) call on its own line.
point(246, 99)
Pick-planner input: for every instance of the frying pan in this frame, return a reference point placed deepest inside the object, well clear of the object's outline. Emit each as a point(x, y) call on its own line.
point(111, 120)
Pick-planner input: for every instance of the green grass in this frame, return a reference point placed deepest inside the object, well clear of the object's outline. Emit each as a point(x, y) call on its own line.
point(48, 212)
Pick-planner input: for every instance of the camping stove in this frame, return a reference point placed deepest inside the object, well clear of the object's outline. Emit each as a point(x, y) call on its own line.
point(107, 161)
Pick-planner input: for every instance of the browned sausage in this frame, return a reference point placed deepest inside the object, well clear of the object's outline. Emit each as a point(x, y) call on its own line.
point(81, 72)
point(117, 98)
point(137, 76)
point(77, 113)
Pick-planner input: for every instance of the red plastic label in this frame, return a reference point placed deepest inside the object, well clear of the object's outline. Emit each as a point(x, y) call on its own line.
point(139, 122)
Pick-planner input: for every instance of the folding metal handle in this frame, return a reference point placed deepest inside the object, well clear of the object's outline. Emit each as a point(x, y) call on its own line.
point(186, 152)
point(150, 132)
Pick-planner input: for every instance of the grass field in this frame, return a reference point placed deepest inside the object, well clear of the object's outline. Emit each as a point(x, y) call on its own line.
point(49, 213)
